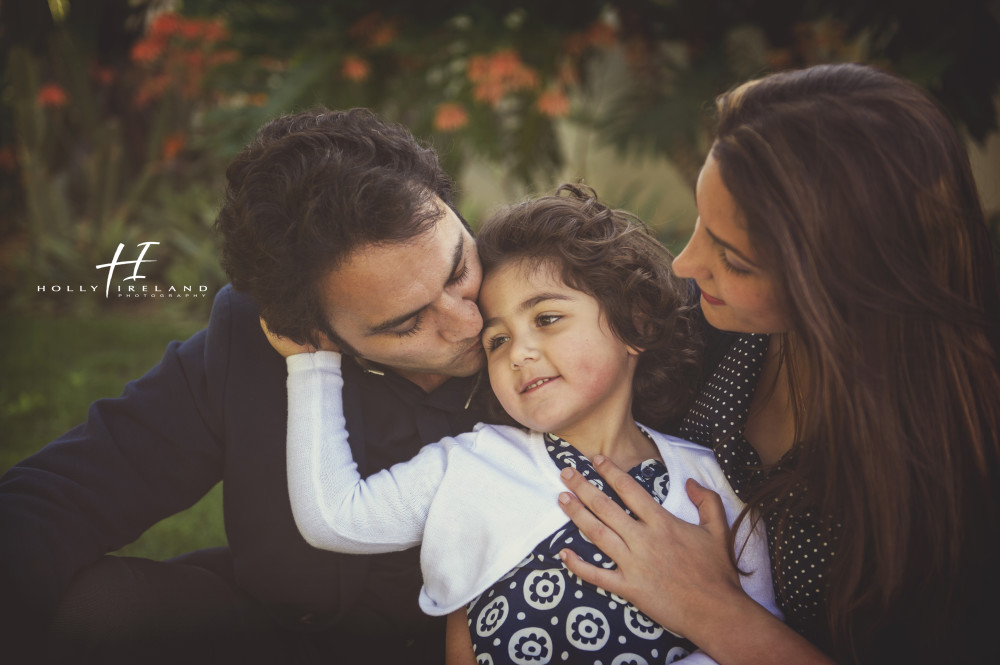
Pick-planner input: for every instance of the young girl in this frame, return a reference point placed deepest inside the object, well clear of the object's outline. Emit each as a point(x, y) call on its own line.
point(585, 330)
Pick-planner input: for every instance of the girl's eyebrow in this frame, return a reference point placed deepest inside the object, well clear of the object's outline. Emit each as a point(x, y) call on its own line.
point(528, 304)
point(723, 243)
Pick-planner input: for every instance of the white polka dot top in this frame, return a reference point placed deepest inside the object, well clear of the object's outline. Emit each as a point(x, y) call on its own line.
point(717, 420)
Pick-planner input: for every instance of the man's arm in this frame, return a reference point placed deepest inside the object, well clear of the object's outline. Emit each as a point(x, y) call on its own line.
point(333, 507)
point(140, 457)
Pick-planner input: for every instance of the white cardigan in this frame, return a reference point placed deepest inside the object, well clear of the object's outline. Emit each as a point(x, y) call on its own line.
point(479, 502)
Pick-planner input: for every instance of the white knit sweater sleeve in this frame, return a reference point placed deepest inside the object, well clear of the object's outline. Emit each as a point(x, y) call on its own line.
point(334, 508)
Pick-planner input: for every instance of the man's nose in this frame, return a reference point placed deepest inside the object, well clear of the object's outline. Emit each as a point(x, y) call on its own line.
point(463, 322)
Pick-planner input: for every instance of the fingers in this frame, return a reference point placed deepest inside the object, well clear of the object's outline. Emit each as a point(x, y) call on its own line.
point(597, 531)
point(609, 580)
point(638, 500)
point(283, 345)
point(711, 512)
point(603, 512)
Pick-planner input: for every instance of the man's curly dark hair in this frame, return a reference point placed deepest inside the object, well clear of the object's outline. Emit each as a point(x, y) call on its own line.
point(309, 190)
point(612, 256)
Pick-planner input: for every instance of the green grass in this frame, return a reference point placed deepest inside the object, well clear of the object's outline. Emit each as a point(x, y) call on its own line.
point(54, 366)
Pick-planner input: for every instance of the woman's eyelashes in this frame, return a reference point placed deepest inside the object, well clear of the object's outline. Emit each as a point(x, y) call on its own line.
point(732, 266)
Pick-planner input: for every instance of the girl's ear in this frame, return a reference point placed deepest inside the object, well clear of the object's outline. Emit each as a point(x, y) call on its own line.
point(641, 323)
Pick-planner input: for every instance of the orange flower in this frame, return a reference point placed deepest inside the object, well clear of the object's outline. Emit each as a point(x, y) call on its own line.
point(166, 25)
point(355, 69)
point(147, 50)
point(385, 34)
point(192, 29)
point(258, 99)
point(51, 95)
point(172, 146)
point(553, 103)
point(374, 31)
point(151, 89)
point(498, 74)
point(449, 117)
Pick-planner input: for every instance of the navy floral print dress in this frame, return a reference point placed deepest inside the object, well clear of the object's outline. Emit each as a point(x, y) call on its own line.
point(540, 613)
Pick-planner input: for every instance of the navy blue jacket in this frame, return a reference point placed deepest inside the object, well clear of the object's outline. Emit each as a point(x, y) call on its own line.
point(213, 409)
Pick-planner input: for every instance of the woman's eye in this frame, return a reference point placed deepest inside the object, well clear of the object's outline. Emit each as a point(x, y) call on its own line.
point(495, 342)
point(732, 267)
point(546, 319)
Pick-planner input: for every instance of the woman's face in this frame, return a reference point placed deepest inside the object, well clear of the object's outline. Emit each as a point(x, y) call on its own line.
point(737, 293)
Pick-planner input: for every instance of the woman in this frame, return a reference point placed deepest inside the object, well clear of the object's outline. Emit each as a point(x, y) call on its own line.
point(856, 412)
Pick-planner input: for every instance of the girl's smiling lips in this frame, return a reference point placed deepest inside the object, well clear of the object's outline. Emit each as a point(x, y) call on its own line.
point(535, 384)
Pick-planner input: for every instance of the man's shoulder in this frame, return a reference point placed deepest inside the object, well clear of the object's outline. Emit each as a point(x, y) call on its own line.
point(234, 318)
point(230, 305)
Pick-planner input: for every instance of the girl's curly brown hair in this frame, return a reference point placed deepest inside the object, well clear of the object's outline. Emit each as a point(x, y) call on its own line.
point(612, 256)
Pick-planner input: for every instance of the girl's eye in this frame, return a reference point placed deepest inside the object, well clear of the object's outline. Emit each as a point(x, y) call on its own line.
point(495, 342)
point(730, 266)
point(412, 330)
point(546, 319)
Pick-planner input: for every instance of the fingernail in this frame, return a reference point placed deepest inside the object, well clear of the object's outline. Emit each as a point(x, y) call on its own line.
point(564, 498)
point(562, 555)
point(599, 460)
point(566, 473)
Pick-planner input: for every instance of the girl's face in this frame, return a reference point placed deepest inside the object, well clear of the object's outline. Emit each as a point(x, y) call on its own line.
point(737, 293)
point(554, 363)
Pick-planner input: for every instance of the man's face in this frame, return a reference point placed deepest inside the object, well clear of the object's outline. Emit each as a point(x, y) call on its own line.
point(411, 305)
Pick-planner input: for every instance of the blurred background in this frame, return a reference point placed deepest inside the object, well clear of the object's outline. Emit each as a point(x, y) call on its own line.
point(118, 118)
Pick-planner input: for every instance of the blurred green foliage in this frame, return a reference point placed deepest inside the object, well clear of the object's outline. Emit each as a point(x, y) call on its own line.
point(118, 117)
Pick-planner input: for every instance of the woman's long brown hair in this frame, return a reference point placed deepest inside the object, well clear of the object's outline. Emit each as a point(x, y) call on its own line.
point(858, 193)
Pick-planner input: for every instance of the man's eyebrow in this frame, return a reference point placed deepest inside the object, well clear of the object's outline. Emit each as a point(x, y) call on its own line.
point(528, 304)
point(397, 321)
point(720, 241)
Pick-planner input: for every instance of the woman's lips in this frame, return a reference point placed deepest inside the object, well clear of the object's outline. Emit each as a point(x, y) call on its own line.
point(712, 301)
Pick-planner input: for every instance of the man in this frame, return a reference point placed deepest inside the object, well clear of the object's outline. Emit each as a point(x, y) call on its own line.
point(334, 224)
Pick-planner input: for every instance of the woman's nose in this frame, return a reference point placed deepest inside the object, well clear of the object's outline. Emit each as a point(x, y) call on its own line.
point(691, 263)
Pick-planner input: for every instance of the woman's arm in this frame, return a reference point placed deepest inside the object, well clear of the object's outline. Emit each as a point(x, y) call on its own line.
point(701, 596)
